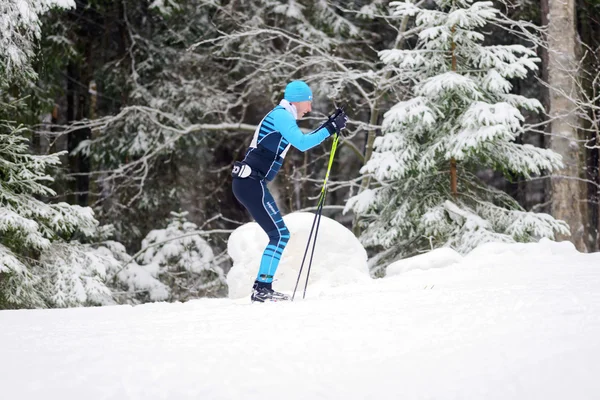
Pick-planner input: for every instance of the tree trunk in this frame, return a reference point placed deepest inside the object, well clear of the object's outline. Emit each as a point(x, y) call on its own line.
point(567, 202)
point(78, 164)
point(453, 171)
point(589, 32)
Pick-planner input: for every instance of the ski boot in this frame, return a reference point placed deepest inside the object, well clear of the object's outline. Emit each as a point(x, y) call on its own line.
point(262, 292)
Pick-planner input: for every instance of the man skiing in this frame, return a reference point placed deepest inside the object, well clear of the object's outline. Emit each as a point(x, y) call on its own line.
point(273, 137)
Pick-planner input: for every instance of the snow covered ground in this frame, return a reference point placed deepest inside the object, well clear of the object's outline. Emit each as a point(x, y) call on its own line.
point(505, 322)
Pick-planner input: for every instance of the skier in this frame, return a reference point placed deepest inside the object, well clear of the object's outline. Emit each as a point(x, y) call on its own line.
point(272, 139)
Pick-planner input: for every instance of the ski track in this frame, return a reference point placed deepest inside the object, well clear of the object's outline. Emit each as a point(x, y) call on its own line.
point(462, 332)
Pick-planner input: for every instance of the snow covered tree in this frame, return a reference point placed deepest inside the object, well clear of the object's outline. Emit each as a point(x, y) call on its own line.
point(166, 132)
point(129, 282)
point(19, 29)
point(32, 230)
point(42, 263)
point(198, 75)
point(460, 118)
point(180, 258)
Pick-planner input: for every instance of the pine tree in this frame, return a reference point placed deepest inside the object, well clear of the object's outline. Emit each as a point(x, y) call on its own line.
point(41, 262)
point(32, 230)
point(182, 260)
point(459, 119)
point(20, 27)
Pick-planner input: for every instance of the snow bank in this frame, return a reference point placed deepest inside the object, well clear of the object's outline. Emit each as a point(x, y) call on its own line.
point(545, 247)
point(544, 252)
point(438, 258)
point(339, 257)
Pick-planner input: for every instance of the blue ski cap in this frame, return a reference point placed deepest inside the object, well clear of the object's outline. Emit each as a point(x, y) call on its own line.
point(297, 91)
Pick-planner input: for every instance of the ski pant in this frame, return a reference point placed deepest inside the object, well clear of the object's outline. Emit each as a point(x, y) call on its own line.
point(255, 196)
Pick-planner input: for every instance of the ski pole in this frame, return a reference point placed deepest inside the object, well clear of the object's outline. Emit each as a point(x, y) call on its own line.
point(317, 220)
point(312, 253)
point(319, 208)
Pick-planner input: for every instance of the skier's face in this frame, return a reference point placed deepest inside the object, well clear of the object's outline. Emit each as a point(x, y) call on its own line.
point(303, 107)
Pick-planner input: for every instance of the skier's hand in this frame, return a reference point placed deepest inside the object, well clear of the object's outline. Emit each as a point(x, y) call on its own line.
point(337, 122)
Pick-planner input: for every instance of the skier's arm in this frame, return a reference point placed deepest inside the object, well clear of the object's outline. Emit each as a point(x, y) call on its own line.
point(287, 126)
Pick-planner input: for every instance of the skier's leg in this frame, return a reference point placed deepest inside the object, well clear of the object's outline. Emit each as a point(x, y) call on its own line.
point(278, 238)
point(257, 199)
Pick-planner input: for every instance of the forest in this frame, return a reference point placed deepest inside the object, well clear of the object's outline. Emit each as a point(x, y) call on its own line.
point(120, 120)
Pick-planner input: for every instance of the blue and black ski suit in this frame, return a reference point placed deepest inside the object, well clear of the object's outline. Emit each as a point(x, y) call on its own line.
point(272, 139)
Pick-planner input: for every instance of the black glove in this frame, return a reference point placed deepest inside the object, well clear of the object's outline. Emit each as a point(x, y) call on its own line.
point(336, 122)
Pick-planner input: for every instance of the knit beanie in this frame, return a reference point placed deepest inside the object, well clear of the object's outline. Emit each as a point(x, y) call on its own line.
point(297, 91)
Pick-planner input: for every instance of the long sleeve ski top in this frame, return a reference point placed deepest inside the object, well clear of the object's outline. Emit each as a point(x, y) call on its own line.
point(273, 137)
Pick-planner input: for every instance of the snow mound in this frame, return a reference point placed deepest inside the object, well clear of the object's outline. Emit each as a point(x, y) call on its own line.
point(501, 254)
point(493, 255)
point(438, 258)
point(339, 257)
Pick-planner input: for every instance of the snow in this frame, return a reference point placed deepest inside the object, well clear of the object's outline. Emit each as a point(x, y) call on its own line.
point(437, 258)
point(506, 321)
point(19, 26)
point(61, 3)
point(348, 264)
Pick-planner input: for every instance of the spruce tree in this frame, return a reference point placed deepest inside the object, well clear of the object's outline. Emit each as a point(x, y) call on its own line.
point(20, 27)
point(43, 262)
point(182, 260)
point(459, 118)
point(32, 230)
